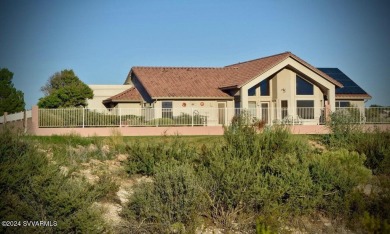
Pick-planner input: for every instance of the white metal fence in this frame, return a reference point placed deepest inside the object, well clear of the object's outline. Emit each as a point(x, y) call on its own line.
point(82, 117)
point(15, 116)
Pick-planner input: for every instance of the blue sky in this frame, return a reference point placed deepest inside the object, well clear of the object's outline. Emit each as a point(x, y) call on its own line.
point(102, 40)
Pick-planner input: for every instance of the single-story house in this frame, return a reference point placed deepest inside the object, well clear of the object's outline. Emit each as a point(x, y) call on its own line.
point(272, 88)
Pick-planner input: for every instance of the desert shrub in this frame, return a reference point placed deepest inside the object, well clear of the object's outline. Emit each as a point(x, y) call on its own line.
point(250, 180)
point(133, 120)
point(186, 119)
point(172, 202)
point(370, 211)
point(68, 117)
point(335, 174)
point(376, 146)
point(343, 123)
point(94, 118)
point(50, 120)
point(32, 188)
point(161, 122)
point(143, 158)
point(252, 173)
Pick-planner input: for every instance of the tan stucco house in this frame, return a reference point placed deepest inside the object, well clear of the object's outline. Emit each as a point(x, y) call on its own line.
point(272, 87)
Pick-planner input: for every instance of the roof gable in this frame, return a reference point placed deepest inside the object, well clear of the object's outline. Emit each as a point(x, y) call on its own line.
point(130, 94)
point(247, 71)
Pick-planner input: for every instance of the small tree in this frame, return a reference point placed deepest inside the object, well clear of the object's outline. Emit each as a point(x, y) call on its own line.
point(11, 99)
point(64, 89)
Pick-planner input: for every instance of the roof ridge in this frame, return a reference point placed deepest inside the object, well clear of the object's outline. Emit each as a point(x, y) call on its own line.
point(287, 52)
point(154, 67)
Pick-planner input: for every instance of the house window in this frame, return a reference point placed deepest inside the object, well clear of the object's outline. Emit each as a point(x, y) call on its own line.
point(304, 87)
point(252, 91)
point(166, 110)
point(284, 110)
point(343, 104)
point(305, 109)
point(264, 87)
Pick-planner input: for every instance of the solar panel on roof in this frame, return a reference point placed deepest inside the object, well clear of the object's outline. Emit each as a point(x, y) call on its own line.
point(350, 87)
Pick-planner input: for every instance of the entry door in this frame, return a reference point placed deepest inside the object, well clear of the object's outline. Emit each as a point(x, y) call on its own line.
point(284, 108)
point(221, 113)
point(265, 112)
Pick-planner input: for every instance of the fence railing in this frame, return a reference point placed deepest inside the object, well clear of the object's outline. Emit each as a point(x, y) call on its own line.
point(15, 116)
point(83, 117)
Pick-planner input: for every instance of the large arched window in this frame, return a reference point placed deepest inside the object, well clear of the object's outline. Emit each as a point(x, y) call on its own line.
point(304, 87)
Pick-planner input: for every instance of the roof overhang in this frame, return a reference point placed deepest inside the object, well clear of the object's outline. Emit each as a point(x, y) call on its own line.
point(291, 62)
point(120, 101)
point(353, 96)
point(193, 98)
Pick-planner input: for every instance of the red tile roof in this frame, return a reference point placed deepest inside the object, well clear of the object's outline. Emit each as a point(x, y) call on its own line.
point(188, 82)
point(202, 82)
point(130, 94)
point(246, 71)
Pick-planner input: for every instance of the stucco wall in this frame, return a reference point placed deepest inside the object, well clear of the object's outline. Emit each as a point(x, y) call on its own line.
point(194, 106)
point(354, 103)
point(283, 88)
point(128, 105)
point(102, 92)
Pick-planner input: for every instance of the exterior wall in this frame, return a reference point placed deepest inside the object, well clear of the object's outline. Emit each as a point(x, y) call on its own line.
point(281, 69)
point(129, 105)
point(355, 103)
point(102, 92)
point(190, 106)
point(283, 88)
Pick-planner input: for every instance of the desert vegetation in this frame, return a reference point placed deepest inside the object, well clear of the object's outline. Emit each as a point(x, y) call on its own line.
point(250, 180)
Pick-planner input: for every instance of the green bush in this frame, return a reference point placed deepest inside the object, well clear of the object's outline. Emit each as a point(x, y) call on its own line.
point(335, 174)
point(95, 118)
point(186, 119)
point(143, 158)
point(133, 120)
point(32, 188)
point(343, 124)
point(376, 146)
point(270, 176)
point(161, 122)
point(255, 173)
point(171, 203)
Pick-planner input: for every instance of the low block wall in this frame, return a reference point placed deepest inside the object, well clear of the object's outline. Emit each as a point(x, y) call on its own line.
point(159, 131)
point(131, 131)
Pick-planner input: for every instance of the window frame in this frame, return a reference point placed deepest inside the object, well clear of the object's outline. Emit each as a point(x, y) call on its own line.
point(267, 87)
point(306, 84)
point(303, 111)
point(166, 112)
point(338, 104)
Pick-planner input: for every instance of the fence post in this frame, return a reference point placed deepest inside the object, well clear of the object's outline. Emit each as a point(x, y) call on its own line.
point(120, 117)
point(293, 114)
point(5, 118)
point(83, 116)
point(226, 117)
point(25, 121)
point(192, 116)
